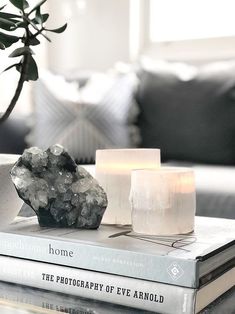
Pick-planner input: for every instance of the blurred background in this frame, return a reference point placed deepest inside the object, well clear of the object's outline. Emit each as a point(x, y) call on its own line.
point(110, 36)
point(102, 33)
point(135, 73)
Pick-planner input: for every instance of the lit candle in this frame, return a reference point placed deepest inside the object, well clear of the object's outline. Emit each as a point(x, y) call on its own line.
point(163, 201)
point(113, 172)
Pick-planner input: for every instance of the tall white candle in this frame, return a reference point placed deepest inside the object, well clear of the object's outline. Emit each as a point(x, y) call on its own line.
point(113, 172)
point(163, 201)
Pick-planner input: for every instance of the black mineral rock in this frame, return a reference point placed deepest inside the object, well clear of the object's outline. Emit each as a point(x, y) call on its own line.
point(61, 193)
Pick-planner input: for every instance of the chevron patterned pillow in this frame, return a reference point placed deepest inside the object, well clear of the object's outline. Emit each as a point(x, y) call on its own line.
point(97, 116)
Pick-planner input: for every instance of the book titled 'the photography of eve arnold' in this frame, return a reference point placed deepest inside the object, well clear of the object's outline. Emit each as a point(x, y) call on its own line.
point(116, 265)
point(31, 299)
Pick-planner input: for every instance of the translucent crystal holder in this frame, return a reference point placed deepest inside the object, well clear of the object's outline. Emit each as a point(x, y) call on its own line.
point(113, 172)
point(163, 201)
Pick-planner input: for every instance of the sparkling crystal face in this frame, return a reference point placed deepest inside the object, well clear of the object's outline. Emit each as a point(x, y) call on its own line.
point(60, 192)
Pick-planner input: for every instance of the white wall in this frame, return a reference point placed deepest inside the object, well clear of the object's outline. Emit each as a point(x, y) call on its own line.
point(96, 37)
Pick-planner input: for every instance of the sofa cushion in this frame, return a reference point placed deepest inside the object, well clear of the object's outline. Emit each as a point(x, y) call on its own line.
point(12, 135)
point(97, 115)
point(189, 112)
point(215, 189)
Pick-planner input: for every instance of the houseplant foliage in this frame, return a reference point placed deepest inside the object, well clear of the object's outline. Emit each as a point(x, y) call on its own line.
point(25, 30)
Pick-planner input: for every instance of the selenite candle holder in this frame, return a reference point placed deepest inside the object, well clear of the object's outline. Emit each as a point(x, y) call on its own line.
point(113, 172)
point(163, 201)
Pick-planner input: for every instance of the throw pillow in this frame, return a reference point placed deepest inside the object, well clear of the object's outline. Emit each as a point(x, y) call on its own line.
point(98, 115)
point(189, 112)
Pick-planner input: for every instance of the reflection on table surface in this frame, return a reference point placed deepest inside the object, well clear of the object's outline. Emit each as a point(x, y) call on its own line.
point(16, 299)
point(11, 308)
point(27, 300)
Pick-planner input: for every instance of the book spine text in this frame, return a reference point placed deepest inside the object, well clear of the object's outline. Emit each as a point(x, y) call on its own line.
point(168, 270)
point(115, 289)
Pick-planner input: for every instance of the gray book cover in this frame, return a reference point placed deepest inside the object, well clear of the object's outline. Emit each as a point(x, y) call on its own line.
point(182, 260)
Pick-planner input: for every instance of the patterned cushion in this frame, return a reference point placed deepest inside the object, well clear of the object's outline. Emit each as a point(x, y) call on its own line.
point(98, 115)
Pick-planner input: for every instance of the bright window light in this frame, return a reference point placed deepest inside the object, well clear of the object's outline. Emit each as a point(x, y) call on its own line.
point(174, 20)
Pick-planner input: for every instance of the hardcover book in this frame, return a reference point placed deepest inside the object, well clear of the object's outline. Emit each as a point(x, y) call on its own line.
point(38, 300)
point(136, 293)
point(184, 260)
point(43, 301)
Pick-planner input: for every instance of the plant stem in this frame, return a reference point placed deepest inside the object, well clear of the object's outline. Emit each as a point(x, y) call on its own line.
point(23, 75)
point(19, 88)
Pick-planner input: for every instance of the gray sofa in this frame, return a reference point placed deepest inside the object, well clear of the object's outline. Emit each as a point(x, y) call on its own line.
point(189, 114)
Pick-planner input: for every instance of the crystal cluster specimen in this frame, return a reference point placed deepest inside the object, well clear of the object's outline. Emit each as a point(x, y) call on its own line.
point(61, 193)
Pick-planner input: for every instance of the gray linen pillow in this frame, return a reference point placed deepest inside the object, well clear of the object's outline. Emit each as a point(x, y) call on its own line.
point(190, 118)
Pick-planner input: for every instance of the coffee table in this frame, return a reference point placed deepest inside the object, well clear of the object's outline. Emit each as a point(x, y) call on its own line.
point(16, 299)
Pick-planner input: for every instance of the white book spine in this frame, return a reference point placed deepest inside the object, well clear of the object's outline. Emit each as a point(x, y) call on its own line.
point(147, 295)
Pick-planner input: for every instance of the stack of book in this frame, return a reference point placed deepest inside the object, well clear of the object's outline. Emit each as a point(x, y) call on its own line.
point(165, 274)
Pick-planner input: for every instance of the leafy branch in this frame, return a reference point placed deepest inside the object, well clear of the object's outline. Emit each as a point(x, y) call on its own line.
point(31, 23)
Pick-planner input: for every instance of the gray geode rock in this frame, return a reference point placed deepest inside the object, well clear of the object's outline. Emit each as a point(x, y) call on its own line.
point(61, 193)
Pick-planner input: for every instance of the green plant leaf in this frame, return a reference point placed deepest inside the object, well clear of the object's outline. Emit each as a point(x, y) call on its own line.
point(38, 5)
point(38, 16)
point(2, 7)
point(32, 41)
point(8, 40)
point(44, 18)
point(10, 67)
point(7, 24)
point(58, 30)
point(20, 4)
point(32, 73)
point(6, 15)
point(20, 52)
point(36, 27)
point(21, 24)
point(2, 47)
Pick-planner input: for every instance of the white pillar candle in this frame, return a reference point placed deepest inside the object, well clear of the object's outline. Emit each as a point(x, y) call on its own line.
point(113, 172)
point(163, 201)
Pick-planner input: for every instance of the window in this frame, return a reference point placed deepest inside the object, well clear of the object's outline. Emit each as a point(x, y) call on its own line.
point(174, 20)
point(187, 29)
